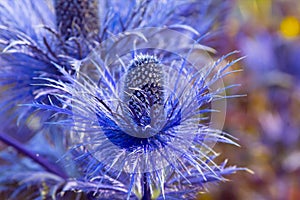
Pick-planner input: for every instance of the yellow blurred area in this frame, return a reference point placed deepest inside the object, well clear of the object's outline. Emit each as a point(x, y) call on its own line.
point(204, 196)
point(290, 27)
point(257, 10)
point(263, 14)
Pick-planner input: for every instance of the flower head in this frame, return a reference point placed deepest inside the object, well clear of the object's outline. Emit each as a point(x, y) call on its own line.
point(144, 118)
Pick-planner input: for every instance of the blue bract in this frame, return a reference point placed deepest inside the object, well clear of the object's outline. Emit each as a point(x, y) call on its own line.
point(148, 113)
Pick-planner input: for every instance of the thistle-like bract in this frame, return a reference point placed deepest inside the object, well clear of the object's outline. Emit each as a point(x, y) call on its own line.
point(145, 123)
point(36, 34)
point(136, 121)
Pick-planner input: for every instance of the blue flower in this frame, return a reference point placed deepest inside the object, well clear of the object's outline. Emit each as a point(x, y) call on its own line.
point(145, 123)
point(137, 121)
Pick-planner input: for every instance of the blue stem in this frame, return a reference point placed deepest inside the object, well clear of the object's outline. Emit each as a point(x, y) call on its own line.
point(6, 139)
point(146, 186)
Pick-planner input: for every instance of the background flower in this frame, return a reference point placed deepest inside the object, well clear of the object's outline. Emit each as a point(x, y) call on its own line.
point(266, 121)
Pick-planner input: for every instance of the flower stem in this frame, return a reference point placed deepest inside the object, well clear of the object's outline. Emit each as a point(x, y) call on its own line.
point(6, 139)
point(146, 186)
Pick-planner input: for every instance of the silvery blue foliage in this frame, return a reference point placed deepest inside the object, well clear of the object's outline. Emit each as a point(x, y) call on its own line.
point(144, 127)
point(29, 35)
point(127, 139)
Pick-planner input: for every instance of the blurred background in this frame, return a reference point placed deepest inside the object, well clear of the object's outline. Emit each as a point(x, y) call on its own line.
point(267, 121)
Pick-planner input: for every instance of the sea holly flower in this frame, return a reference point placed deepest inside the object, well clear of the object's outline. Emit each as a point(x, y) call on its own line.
point(136, 113)
point(144, 118)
